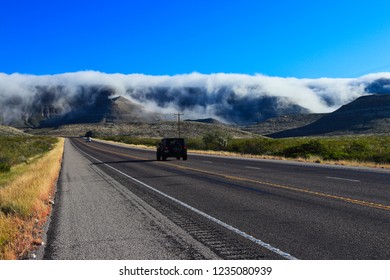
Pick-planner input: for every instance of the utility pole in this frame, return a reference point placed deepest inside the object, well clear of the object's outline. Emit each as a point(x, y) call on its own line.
point(178, 120)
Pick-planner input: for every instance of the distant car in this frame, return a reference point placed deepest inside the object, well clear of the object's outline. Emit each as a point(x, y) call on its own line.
point(171, 147)
point(88, 139)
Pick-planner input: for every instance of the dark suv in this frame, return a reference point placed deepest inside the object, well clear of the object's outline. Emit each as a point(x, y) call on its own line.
point(172, 147)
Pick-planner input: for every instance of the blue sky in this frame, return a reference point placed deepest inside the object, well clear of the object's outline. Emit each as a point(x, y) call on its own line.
point(303, 39)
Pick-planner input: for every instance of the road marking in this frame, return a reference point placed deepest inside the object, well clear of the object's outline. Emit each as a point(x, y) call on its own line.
point(207, 161)
point(252, 167)
point(343, 179)
point(278, 186)
point(207, 216)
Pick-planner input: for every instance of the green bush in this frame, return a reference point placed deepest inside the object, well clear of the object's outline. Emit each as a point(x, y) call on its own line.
point(381, 158)
point(5, 164)
point(357, 147)
point(305, 150)
point(18, 149)
point(195, 144)
point(257, 146)
point(216, 140)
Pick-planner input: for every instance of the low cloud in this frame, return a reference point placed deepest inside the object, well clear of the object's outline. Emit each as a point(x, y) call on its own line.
point(235, 98)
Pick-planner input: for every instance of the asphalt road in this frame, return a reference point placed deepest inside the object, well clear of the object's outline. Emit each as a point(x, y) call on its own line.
point(95, 217)
point(218, 207)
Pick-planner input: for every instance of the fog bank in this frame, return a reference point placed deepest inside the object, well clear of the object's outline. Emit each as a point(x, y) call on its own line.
point(233, 98)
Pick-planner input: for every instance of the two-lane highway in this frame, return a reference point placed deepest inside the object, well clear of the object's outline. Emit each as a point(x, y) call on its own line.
point(246, 208)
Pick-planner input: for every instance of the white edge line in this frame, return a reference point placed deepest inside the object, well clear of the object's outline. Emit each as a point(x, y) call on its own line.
point(253, 167)
point(211, 218)
point(343, 179)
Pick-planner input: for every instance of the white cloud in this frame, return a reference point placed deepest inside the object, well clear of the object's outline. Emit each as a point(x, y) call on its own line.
point(317, 95)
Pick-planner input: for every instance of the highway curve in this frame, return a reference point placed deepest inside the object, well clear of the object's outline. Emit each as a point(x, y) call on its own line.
point(129, 206)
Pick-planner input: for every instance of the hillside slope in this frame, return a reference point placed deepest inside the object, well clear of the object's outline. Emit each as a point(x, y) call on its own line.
point(282, 123)
point(10, 131)
point(102, 109)
point(365, 115)
point(143, 129)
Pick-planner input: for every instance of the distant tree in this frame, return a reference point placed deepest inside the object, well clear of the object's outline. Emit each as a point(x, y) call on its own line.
point(89, 134)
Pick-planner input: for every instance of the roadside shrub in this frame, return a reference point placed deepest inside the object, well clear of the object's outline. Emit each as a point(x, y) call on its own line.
point(216, 140)
point(357, 150)
point(305, 150)
point(333, 154)
point(5, 164)
point(257, 146)
point(92, 133)
point(382, 158)
point(357, 147)
point(18, 149)
point(195, 144)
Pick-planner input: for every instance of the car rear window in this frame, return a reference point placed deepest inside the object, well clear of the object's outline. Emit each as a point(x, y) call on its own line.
point(171, 142)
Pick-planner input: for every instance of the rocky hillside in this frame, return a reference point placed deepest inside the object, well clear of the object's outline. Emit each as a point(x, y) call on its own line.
point(365, 115)
point(143, 129)
point(10, 131)
point(282, 123)
point(101, 110)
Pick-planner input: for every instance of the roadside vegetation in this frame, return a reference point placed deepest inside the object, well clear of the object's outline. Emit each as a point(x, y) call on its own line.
point(28, 172)
point(20, 149)
point(357, 149)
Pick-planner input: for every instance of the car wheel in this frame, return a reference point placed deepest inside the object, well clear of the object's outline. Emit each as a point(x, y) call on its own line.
point(185, 158)
point(164, 158)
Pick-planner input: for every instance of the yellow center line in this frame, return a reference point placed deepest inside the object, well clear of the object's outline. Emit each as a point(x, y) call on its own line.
point(279, 186)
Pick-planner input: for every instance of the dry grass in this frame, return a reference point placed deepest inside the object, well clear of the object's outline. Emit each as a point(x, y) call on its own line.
point(24, 204)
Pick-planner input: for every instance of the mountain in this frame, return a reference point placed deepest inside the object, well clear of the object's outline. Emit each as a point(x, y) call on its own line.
point(282, 123)
point(52, 106)
point(93, 105)
point(378, 86)
point(207, 120)
point(103, 109)
point(225, 103)
point(121, 109)
point(237, 99)
point(365, 115)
